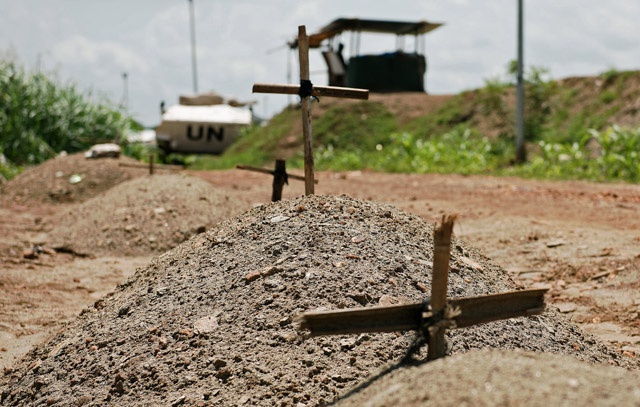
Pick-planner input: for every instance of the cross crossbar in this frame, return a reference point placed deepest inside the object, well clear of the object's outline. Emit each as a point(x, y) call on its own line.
point(434, 316)
point(395, 318)
point(280, 177)
point(268, 171)
point(317, 91)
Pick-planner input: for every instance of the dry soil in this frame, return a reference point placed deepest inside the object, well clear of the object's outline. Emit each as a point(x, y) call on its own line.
point(148, 339)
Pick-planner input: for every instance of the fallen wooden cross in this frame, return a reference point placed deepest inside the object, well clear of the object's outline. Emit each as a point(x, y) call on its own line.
point(280, 177)
point(152, 166)
point(434, 316)
point(306, 90)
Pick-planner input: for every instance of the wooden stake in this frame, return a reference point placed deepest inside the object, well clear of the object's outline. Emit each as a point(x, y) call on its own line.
point(439, 282)
point(434, 316)
point(279, 178)
point(303, 53)
point(268, 171)
point(473, 311)
point(151, 159)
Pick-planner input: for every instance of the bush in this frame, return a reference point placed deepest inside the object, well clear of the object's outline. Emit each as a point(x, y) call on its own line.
point(461, 150)
point(39, 118)
point(599, 156)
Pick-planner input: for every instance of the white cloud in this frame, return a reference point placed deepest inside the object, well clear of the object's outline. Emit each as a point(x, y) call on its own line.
point(98, 56)
point(93, 42)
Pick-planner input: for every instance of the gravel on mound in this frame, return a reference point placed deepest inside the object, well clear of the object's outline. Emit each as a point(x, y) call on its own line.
point(502, 378)
point(52, 182)
point(149, 214)
point(211, 321)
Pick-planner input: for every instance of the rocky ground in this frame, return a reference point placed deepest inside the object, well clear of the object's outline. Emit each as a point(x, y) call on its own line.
point(210, 322)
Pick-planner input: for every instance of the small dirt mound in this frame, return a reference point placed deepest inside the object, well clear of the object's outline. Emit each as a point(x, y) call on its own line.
point(212, 321)
point(149, 214)
point(69, 178)
point(502, 378)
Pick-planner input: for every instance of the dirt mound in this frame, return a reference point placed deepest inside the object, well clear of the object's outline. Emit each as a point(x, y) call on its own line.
point(149, 214)
point(505, 378)
point(68, 178)
point(210, 321)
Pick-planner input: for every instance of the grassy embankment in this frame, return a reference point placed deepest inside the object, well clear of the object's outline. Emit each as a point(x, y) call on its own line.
point(571, 131)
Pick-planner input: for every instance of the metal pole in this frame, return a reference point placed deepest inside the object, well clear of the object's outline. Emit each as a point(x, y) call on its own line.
point(521, 153)
point(193, 47)
point(289, 56)
point(125, 93)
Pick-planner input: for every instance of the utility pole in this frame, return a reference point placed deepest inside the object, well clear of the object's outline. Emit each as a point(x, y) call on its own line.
point(521, 153)
point(193, 47)
point(125, 92)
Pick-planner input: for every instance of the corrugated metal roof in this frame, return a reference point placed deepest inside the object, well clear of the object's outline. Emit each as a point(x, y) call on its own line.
point(378, 26)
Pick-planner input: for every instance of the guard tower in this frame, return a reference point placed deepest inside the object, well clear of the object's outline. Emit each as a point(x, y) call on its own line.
point(396, 71)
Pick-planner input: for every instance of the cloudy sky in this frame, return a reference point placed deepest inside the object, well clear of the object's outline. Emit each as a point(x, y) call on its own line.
point(92, 42)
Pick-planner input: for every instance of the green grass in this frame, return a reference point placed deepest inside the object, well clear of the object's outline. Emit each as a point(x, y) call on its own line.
point(456, 111)
point(610, 155)
point(570, 136)
point(360, 124)
point(461, 150)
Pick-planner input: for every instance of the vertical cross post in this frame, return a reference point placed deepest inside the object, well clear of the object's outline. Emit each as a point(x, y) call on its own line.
point(306, 91)
point(439, 282)
point(279, 179)
point(151, 164)
point(303, 53)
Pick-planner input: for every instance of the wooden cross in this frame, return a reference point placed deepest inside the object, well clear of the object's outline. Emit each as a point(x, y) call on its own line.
point(306, 90)
point(152, 166)
point(280, 177)
point(433, 317)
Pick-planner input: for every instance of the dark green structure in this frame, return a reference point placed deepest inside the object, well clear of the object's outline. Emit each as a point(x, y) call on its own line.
point(397, 71)
point(390, 72)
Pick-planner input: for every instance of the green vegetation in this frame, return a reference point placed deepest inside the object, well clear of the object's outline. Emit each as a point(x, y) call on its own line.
point(610, 155)
point(459, 151)
point(458, 110)
point(40, 118)
point(570, 128)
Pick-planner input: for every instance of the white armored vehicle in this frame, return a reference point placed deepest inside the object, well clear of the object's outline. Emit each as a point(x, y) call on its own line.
point(201, 124)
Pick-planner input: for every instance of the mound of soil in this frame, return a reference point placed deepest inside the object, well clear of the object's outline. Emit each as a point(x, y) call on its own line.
point(211, 321)
point(145, 215)
point(502, 378)
point(69, 178)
